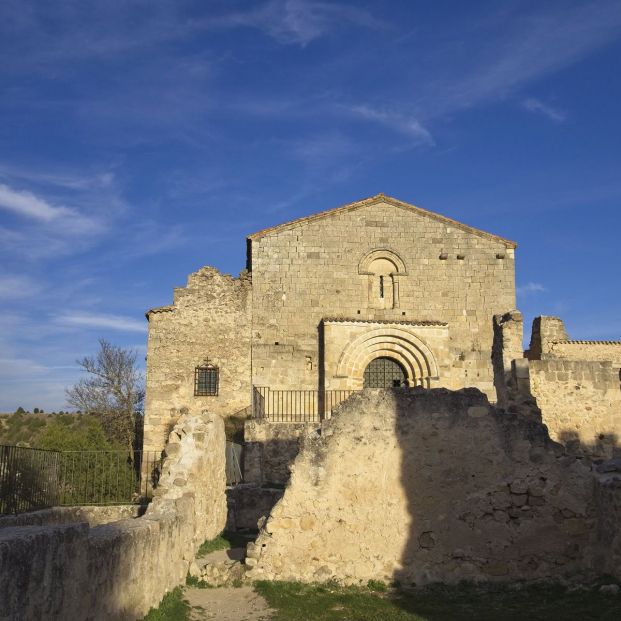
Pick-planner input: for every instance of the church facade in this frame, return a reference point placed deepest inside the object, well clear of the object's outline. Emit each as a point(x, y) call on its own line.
point(375, 293)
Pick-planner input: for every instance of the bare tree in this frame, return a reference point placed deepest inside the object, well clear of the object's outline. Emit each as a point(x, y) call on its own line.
point(113, 390)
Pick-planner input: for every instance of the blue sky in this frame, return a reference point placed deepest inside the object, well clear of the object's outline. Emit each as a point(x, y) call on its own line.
point(142, 139)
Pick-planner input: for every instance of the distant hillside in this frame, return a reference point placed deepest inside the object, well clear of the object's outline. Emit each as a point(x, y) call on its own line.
point(27, 429)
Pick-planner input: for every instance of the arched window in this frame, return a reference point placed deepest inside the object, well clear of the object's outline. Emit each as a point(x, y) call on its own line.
point(382, 268)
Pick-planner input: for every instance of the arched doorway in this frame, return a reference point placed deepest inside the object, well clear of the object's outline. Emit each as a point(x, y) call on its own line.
point(384, 372)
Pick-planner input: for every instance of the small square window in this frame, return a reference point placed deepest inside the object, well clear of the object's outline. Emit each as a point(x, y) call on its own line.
point(206, 381)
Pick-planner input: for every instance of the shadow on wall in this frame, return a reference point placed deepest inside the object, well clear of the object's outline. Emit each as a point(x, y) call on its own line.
point(490, 497)
point(602, 445)
point(269, 462)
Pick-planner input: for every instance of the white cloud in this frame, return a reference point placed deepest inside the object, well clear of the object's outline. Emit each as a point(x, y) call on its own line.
point(530, 287)
point(109, 322)
point(538, 107)
point(16, 287)
point(407, 125)
point(28, 205)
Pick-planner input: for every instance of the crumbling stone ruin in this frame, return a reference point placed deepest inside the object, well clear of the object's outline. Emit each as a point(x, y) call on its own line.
point(419, 486)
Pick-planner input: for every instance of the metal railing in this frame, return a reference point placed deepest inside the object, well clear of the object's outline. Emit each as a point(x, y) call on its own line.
point(32, 479)
point(295, 406)
point(28, 479)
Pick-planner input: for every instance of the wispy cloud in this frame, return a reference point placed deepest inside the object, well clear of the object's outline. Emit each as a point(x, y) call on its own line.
point(532, 46)
point(401, 123)
point(13, 287)
point(530, 287)
point(297, 21)
point(538, 107)
point(93, 320)
point(28, 205)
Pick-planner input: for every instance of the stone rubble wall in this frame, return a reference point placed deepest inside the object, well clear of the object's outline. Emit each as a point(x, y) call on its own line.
point(507, 348)
point(118, 571)
point(576, 385)
point(580, 402)
point(420, 486)
point(608, 503)
point(210, 319)
point(270, 449)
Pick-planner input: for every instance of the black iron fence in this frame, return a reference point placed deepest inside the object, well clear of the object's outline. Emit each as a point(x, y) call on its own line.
point(32, 479)
point(295, 406)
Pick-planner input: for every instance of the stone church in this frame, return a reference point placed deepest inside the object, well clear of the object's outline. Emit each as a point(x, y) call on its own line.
point(376, 293)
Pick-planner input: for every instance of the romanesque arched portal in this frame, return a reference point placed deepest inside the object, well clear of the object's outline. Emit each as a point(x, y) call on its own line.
point(395, 343)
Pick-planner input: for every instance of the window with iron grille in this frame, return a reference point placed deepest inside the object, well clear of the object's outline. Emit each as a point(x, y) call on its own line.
point(206, 381)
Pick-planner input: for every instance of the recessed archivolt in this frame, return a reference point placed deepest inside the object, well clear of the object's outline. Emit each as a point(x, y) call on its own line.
point(410, 351)
point(364, 266)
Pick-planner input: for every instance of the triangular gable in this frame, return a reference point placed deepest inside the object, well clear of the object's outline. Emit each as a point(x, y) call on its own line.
point(373, 200)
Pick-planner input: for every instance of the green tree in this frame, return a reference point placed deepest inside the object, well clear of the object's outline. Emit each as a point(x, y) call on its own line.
point(86, 434)
point(113, 390)
point(89, 469)
point(20, 410)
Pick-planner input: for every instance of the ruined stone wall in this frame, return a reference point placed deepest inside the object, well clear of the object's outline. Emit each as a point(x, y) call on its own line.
point(210, 319)
point(313, 271)
point(118, 571)
point(421, 486)
point(270, 449)
point(587, 350)
point(580, 403)
point(577, 385)
point(608, 504)
point(507, 349)
point(549, 339)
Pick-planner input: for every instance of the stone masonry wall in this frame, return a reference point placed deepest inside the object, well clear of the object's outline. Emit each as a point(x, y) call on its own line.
point(270, 449)
point(577, 385)
point(422, 486)
point(587, 350)
point(210, 319)
point(119, 571)
point(311, 271)
point(580, 402)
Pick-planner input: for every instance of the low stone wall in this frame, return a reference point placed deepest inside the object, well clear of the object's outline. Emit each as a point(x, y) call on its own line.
point(421, 486)
point(120, 570)
point(270, 449)
point(580, 402)
point(68, 515)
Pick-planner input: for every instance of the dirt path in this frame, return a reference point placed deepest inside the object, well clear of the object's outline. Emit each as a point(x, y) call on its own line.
point(227, 604)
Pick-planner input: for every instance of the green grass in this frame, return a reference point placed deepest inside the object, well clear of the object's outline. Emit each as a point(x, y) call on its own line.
point(224, 541)
point(299, 602)
point(172, 608)
point(194, 582)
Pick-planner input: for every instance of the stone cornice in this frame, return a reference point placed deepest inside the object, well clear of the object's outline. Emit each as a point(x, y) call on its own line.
point(425, 323)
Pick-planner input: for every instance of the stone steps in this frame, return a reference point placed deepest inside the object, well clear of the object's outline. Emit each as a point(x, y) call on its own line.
point(221, 568)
